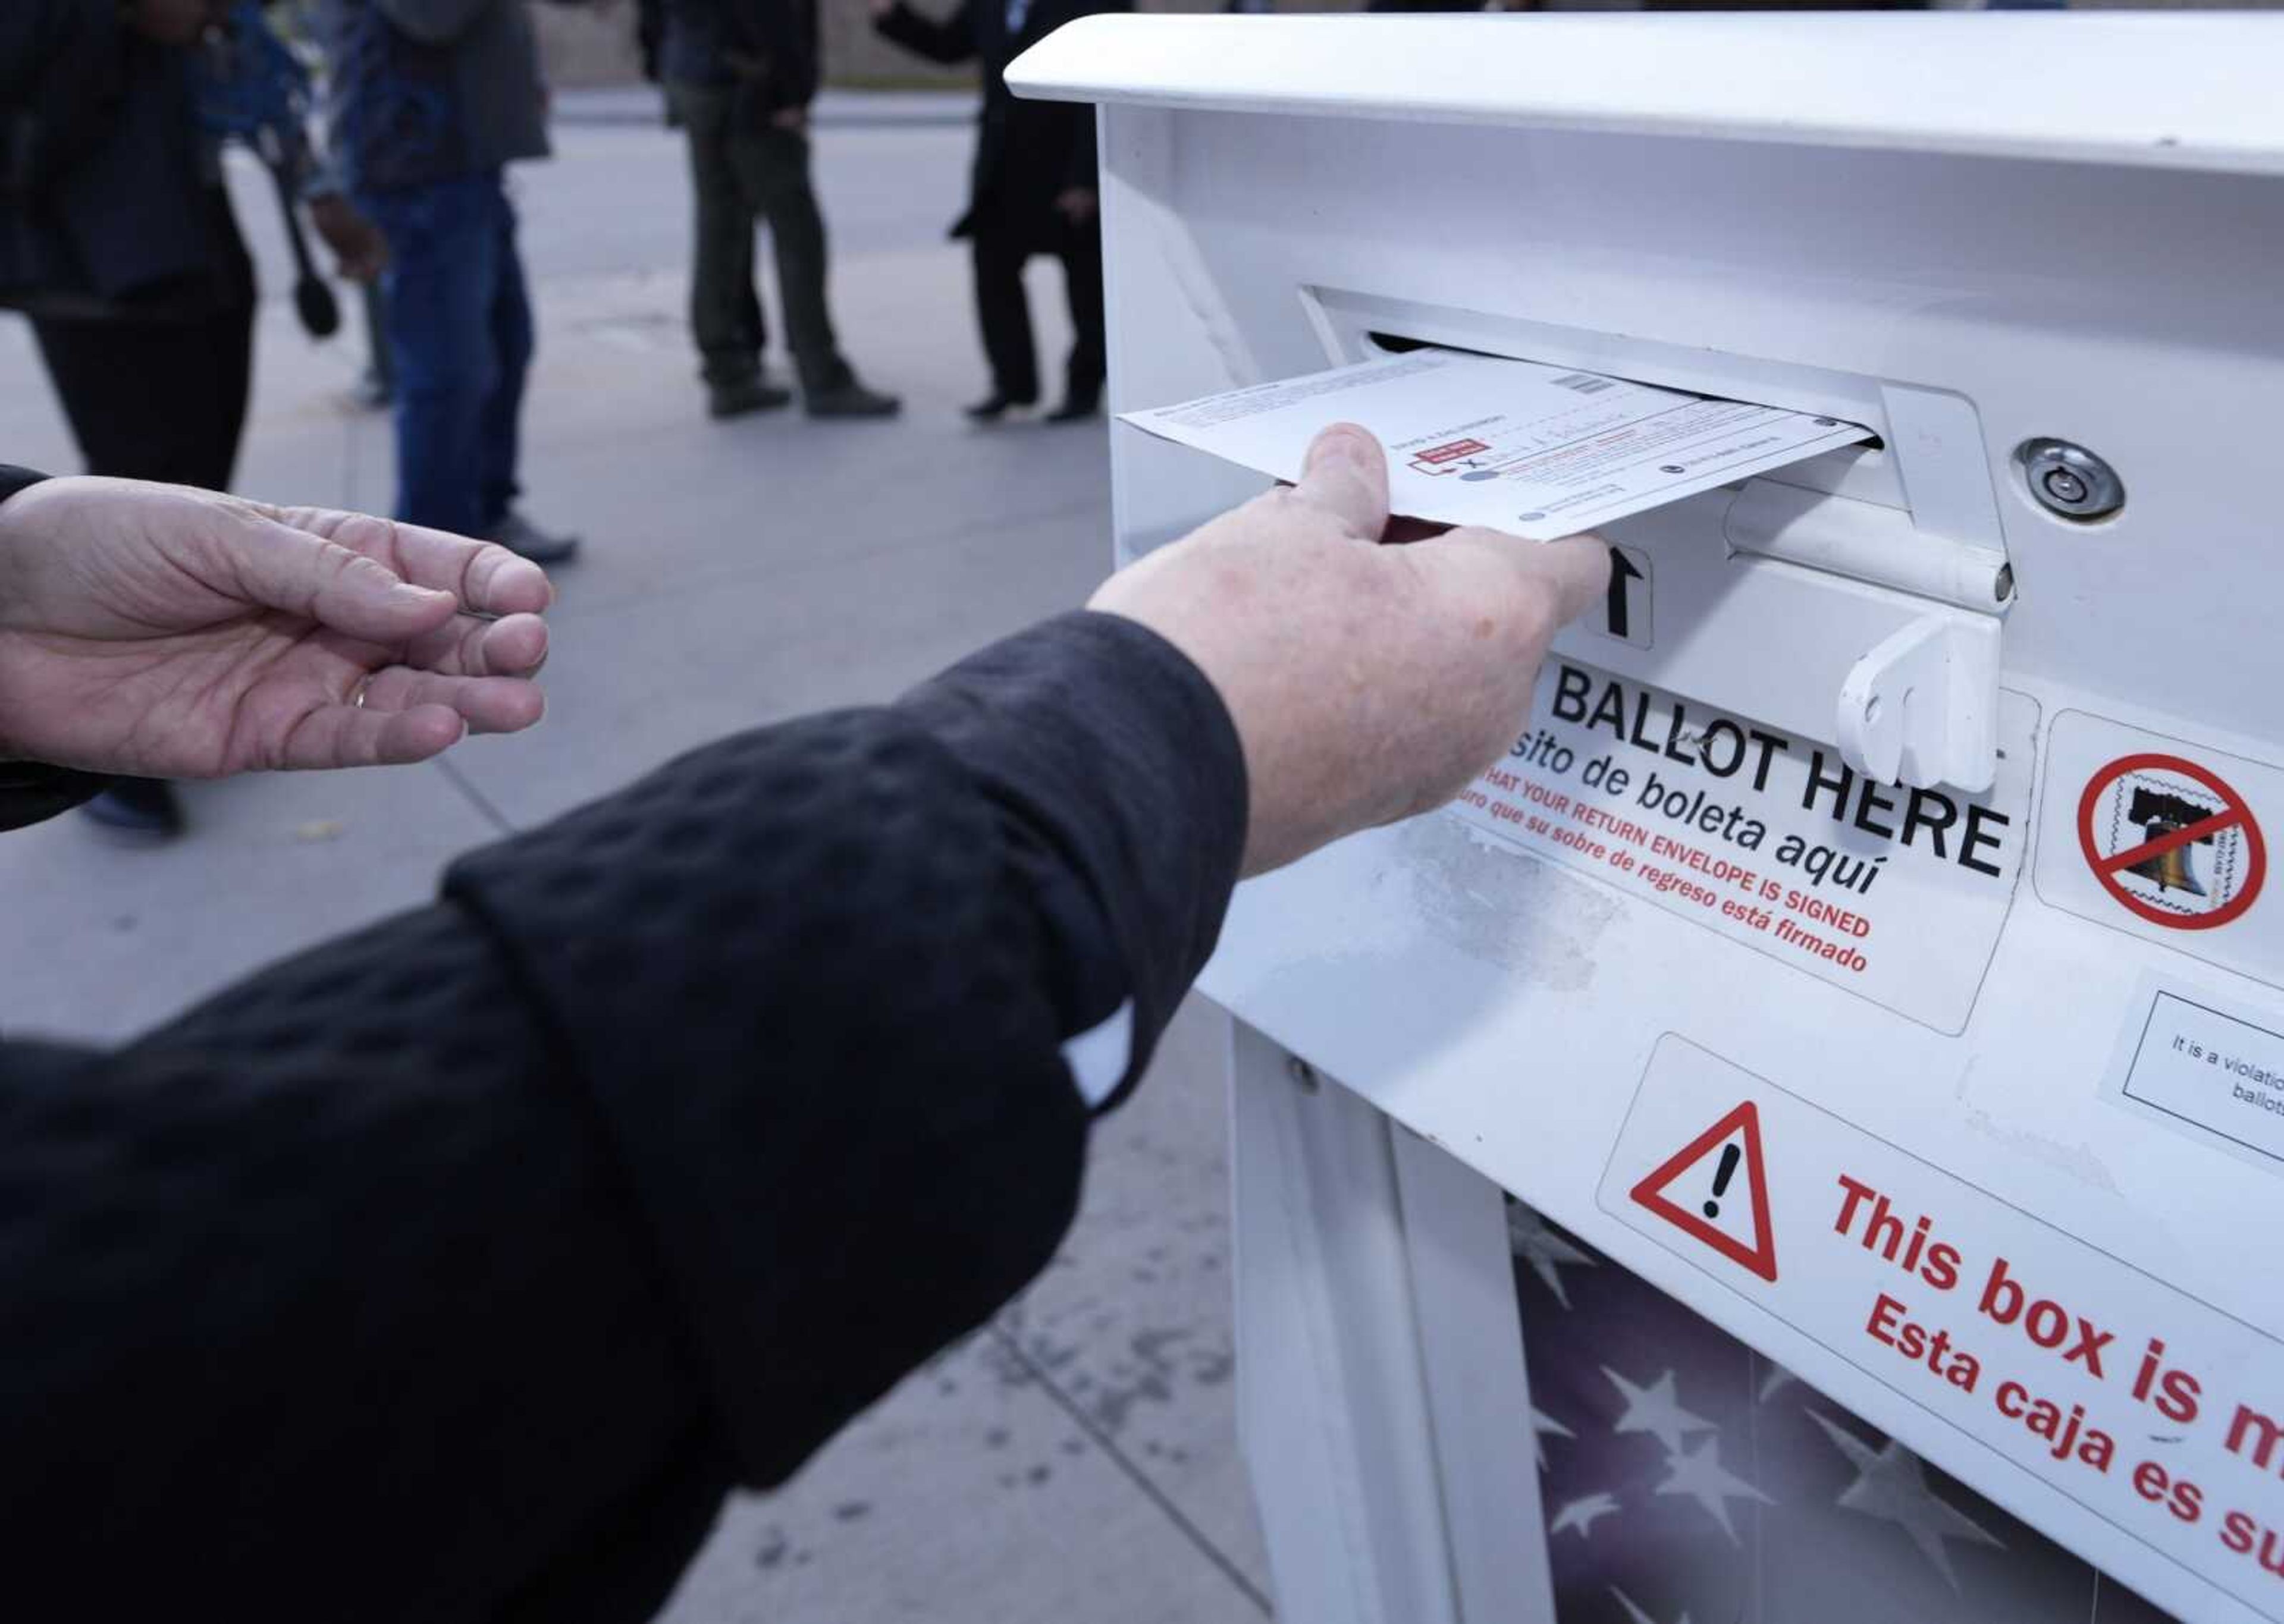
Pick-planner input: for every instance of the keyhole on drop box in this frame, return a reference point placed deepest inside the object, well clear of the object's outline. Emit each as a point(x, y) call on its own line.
point(1730, 1157)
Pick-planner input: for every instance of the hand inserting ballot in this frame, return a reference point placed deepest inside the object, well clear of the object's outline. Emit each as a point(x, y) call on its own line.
point(1367, 682)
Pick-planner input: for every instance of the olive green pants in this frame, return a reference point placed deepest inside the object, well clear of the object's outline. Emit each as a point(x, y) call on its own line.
point(744, 172)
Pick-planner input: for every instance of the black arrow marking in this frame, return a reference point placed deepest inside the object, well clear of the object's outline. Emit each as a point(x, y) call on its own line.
point(1622, 571)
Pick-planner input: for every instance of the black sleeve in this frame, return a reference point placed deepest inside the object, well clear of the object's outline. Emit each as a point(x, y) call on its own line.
point(782, 37)
point(30, 791)
point(809, 66)
point(60, 67)
point(948, 39)
point(650, 34)
point(1085, 171)
point(474, 1255)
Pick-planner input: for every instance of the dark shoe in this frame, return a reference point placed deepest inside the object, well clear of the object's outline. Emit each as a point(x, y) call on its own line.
point(995, 406)
point(143, 807)
point(520, 536)
point(744, 397)
point(852, 400)
point(1077, 409)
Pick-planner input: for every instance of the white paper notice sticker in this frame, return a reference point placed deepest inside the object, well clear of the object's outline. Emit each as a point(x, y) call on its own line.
point(2206, 1065)
point(2151, 1410)
point(1897, 894)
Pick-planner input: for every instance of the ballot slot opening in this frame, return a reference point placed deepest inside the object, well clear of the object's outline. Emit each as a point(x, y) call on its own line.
point(1855, 596)
point(1930, 529)
point(1784, 511)
point(1857, 604)
point(1927, 459)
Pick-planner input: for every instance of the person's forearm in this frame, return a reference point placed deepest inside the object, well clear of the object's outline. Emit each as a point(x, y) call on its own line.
point(949, 41)
point(670, 1139)
point(23, 792)
point(1110, 756)
point(45, 46)
point(433, 22)
point(338, 1266)
point(30, 791)
point(774, 51)
point(1085, 170)
point(858, 944)
point(65, 64)
point(21, 31)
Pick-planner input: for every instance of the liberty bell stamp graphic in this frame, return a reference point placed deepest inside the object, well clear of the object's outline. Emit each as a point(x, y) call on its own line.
point(2159, 814)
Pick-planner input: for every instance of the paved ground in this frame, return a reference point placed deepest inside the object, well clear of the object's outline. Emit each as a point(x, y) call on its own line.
point(1075, 1462)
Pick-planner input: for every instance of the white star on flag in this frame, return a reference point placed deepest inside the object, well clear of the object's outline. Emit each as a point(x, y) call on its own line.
point(1541, 1425)
point(1545, 1252)
point(1583, 1514)
point(1656, 1410)
point(1891, 1484)
point(1698, 1472)
point(1634, 1614)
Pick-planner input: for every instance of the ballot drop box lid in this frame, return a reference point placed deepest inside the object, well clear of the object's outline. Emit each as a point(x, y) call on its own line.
point(1803, 1138)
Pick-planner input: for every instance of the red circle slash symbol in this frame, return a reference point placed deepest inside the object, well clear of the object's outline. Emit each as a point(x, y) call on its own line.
point(2178, 806)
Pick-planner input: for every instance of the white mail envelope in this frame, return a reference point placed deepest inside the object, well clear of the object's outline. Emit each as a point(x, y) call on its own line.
point(1538, 451)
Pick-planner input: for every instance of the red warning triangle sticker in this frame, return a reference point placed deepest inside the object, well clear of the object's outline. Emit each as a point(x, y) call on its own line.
point(1706, 1169)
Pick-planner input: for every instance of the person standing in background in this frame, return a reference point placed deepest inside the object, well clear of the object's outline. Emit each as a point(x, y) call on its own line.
point(740, 76)
point(433, 99)
point(118, 239)
point(1033, 192)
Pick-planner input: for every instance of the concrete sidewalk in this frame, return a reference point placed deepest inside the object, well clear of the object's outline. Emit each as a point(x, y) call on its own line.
point(1076, 1461)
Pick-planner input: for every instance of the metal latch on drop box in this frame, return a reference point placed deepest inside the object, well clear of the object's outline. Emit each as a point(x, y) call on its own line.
point(1920, 706)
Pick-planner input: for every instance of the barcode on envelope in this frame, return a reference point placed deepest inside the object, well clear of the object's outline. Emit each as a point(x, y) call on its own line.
point(1585, 383)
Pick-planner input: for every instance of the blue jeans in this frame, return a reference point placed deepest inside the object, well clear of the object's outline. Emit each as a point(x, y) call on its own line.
point(459, 335)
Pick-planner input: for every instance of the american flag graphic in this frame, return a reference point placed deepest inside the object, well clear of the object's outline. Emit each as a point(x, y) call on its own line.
point(1686, 1479)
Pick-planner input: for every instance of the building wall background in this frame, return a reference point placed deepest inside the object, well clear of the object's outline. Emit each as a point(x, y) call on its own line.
point(592, 44)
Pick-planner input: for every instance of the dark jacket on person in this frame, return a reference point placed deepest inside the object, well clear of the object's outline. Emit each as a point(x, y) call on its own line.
point(1027, 153)
point(455, 1269)
point(425, 91)
point(769, 49)
point(105, 206)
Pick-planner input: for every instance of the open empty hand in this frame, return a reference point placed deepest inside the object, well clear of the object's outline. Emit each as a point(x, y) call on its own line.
point(168, 632)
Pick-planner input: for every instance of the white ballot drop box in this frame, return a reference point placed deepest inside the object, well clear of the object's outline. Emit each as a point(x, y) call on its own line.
point(1803, 1140)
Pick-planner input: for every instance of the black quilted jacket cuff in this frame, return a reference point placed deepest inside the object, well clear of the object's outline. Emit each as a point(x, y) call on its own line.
point(1106, 741)
point(817, 977)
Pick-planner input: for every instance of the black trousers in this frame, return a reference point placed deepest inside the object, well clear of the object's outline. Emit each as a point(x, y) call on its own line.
point(160, 397)
point(1001, 250)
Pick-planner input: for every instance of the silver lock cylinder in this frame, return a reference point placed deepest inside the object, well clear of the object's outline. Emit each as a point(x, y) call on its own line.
point(2069, 481)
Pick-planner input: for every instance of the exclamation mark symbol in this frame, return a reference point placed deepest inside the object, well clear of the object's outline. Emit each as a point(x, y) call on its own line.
point(1730, 1157)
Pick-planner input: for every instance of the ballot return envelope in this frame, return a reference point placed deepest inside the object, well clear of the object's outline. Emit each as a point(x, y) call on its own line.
point(1803, 1140)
